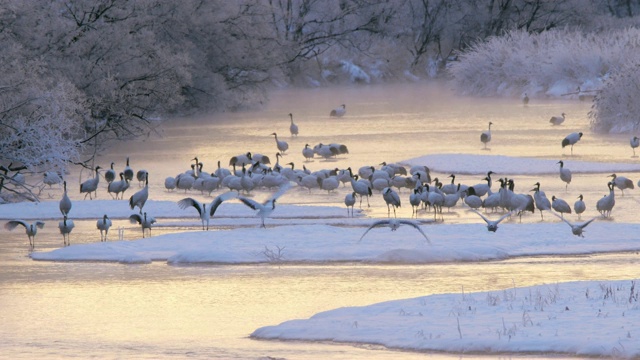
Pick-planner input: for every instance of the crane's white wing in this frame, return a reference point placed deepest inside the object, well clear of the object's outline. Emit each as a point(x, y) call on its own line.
point(584, 225)
point(186, 202)
point(40, 224)
point(507, 215)
point(135, 218)
point(479, 214)
point(416, 226)
point(283, 189)
point(10, 225)
point(375, 224)
point(561, 218)
point(219, 199)
point(250, 203)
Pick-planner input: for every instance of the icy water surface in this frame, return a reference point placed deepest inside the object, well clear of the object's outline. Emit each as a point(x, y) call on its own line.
point(103, 310)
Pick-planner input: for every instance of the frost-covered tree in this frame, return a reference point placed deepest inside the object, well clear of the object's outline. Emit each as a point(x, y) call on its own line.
point(234, 54)
point(552, 63)
point(329, 33)
point(616, 108)
point(40, 121)
point(77, 74)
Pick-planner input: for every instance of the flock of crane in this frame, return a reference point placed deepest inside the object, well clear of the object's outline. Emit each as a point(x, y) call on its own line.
point(249, 171)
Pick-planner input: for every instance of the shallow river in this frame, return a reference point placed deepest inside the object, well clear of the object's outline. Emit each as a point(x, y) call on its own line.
point(104, 310)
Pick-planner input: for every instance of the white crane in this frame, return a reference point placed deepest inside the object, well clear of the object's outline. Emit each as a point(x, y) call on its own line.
point(492, 225)
point(118, 187)
point(309, 181)
point(392, 199)
point(576, 229)
point(66, 226)
point(308, 152)
point(394, 224)
point(435, 198)
point(451, 187)
point(144, 220)
point(110, 174)
point(380, 184)
point(579, 206)
point(565, 174)
point(140, 198)
point(211, 183)
point(141, 176)
point(170, 183)
point(293, 128)
point(422, 172)
point(282, 145)
point(521, 203)
point(128, 171)
point(605, 204)
point(492, 201)
point(329, 183)
point(266, 208)
point(277, 167)
point(634, 142)
point(339, 111)
point(571, 139)
point(206, 214)
point(541, 200)
point(222, 172)
point(341, 149)
point(103, 225)
point(471, 199)
point(325, 151)
point(505, 193)
point(485, 137)
point(65, 202)
point(622, 182)
point(557, 120)
point(31, 229)
point(450, 200)
point(184, 182)
point(415, 201)
point(560, 205)
point(350, 201)
point(91, 185)
point(481, 188)
point(246, 181)
point(360, 187)
point(51, 178)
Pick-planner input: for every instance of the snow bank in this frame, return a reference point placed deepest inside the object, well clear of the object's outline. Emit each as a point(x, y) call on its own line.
point(579, 318)
point(327, 243)
point(478, 164)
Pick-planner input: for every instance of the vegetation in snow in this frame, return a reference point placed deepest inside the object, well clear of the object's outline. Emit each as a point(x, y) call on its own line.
point(560, 63)
point(616, 108)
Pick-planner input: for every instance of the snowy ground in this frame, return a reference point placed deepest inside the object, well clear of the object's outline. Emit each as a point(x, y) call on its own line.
point(583, 318)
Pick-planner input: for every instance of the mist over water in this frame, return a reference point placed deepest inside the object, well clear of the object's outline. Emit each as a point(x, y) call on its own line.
point(105, 310)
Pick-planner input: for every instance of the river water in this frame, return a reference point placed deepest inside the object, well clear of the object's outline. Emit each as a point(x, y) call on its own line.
point(104, 310)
